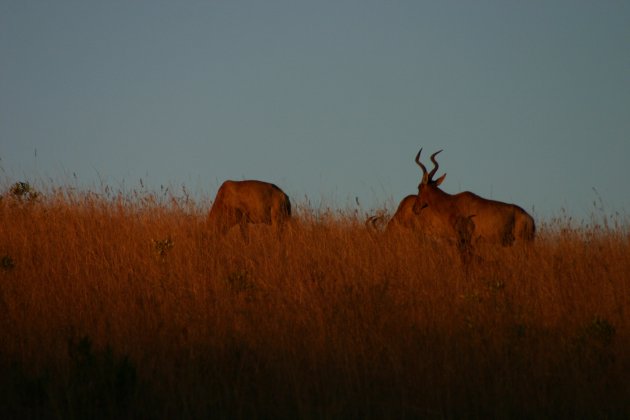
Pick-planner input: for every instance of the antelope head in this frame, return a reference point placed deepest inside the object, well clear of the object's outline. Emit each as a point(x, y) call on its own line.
point(428, 186)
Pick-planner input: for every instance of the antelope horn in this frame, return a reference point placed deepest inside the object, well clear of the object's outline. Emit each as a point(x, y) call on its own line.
point(436, 165)
point(425, 175)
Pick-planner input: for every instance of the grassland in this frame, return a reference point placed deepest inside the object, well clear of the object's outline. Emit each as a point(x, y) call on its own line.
point(125, 306)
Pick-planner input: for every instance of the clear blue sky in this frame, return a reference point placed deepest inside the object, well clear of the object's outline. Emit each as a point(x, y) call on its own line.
point(530, 100)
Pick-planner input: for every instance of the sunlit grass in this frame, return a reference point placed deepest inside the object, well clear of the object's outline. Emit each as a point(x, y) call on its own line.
point(123, 305)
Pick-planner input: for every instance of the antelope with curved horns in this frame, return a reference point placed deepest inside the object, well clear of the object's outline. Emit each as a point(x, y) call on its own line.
point(244, 202)
point(494, 221)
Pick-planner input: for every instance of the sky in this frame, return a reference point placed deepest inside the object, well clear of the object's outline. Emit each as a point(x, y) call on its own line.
point(330, 100)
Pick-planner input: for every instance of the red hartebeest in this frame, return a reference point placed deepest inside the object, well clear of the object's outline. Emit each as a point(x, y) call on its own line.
point(244, 202)
point(456, 229)
point(494, 221)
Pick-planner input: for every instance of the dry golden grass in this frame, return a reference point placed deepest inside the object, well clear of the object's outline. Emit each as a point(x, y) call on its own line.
point(128, 307)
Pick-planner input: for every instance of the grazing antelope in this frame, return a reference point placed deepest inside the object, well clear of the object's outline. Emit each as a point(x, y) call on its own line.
point(494, 221)
point(457, 229)
point(244, 202)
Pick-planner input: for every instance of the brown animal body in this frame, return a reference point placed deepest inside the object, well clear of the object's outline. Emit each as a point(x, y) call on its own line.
point(494, 221)
point(457, 229)
point(405, 217)
point(248, 202)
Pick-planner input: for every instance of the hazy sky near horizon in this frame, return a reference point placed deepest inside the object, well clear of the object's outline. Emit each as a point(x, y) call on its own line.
point(530, 100)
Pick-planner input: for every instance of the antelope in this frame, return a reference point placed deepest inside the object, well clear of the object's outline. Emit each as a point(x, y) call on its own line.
point(454, 229)
point(494, 221)
point(457, 229)
point(249, 202)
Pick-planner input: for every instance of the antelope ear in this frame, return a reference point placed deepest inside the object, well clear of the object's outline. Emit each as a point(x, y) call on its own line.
point(440, 180)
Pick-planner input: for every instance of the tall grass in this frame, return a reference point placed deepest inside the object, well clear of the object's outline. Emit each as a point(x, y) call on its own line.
point(126, 306)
